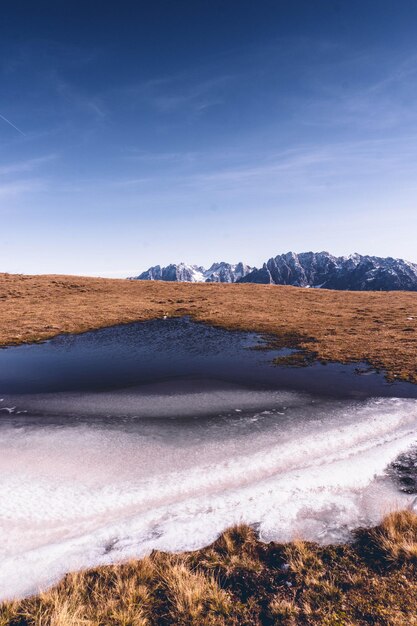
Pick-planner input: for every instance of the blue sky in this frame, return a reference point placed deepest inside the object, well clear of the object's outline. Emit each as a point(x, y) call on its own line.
point(136, 133)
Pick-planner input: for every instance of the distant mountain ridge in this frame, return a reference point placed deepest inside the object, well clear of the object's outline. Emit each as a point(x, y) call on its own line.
point(218, 273)
point(308, 269)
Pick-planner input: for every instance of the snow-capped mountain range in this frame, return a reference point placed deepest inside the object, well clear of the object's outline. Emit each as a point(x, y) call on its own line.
point(307, 269)
point(218, 273)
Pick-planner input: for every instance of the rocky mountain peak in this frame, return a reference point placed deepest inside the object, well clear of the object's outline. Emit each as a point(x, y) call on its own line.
point(355, 272)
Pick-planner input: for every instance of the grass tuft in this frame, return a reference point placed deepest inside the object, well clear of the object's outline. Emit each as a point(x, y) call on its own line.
point(394, 541)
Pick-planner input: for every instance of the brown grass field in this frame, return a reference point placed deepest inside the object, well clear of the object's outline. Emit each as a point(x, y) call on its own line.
point(377, 327)
point(240, 581)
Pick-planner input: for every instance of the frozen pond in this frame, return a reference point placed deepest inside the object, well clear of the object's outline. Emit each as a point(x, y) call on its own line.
point(161, 434)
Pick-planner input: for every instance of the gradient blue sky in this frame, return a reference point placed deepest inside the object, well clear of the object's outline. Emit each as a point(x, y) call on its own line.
point(136, 133)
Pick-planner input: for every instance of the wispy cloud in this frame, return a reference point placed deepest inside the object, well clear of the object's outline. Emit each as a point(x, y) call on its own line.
point(332, 164)
point(366, 92)
point(17, 188)
point(320, 163)
point(46, 71)
point(181, 91)
point(25, 165)
point(14, 183)
point(75, 97)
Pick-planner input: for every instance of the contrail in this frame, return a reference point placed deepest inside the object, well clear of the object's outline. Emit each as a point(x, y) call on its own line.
point(12, 125)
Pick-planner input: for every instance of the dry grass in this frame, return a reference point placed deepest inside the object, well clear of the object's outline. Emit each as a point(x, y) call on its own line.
point(378, 327)
point(240, 581)
point(394, 541)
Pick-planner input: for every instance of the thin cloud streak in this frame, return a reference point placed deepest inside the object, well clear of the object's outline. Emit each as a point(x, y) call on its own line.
point(12, 125)
point(18, 188)
point(330, 162)
point(25, 166)
point(179, 92)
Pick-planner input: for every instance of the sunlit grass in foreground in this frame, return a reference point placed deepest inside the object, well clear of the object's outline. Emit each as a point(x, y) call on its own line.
point(239, 580)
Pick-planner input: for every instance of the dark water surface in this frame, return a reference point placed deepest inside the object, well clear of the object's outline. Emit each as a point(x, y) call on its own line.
point(176, 350)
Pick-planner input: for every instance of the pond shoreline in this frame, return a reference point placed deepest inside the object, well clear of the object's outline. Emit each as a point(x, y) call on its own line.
point(241, 581)
point(379, 328)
